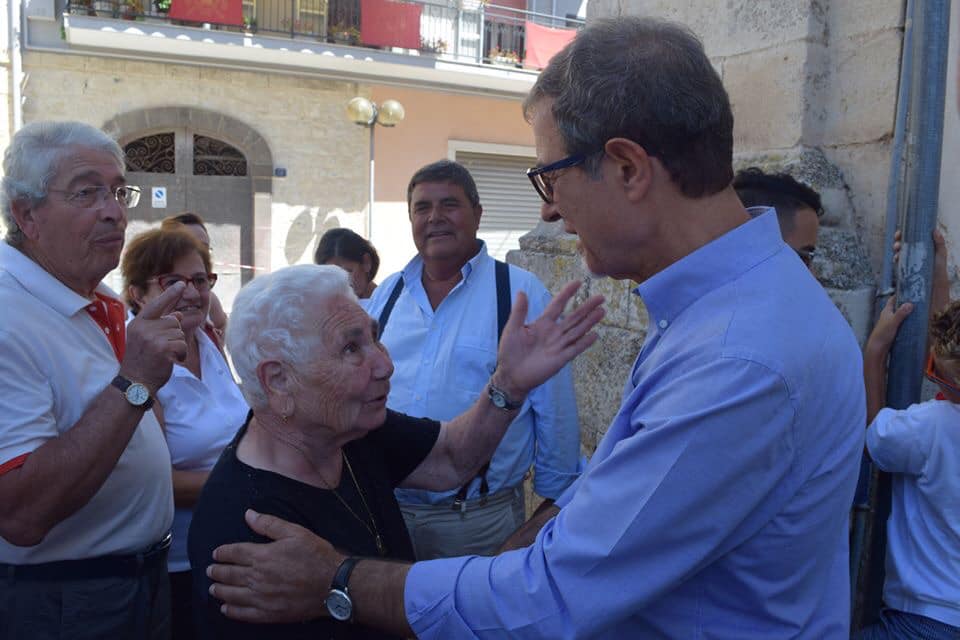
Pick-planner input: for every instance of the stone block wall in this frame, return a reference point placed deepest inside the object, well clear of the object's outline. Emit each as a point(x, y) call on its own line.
point(599, 374)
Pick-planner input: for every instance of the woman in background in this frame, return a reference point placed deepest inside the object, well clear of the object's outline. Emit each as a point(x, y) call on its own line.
point(193, 223)
point(352, 253)
point(200, 407)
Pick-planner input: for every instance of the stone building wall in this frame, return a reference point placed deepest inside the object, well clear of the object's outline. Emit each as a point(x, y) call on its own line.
point(814, 88)
point(301, 119)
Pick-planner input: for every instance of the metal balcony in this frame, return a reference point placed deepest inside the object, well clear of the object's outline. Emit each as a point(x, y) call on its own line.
point(457, 30)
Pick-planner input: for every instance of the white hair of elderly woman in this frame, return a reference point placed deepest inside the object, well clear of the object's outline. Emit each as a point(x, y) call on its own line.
point(268, 320)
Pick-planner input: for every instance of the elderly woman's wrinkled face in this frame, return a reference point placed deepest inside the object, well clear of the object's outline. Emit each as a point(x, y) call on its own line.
point(345, 382)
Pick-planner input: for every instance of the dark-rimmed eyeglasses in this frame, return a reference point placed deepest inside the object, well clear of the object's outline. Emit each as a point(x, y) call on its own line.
point(543, 182)
point(201, 281)
point(932, 376)
point(90, 197)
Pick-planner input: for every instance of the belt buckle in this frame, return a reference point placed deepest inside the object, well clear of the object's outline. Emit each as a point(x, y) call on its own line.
point(459, 505)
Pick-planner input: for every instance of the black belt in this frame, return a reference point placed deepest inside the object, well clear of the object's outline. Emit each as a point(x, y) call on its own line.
point(91, 568)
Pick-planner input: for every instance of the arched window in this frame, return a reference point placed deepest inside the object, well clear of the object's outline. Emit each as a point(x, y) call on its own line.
point(212, 157)
point(151, 154)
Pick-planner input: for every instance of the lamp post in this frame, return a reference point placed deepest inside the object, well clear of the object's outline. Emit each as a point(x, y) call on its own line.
point(366, 113)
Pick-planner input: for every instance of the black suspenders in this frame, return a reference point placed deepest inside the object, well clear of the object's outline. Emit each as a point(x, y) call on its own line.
point(504, 300)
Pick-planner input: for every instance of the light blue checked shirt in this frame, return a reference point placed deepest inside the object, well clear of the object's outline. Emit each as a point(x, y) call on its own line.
point(443, 359)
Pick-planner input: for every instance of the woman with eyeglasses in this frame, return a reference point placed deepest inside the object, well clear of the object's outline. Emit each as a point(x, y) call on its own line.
point(200, 407)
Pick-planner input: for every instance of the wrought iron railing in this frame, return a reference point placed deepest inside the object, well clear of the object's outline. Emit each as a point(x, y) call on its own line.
point(463, 31)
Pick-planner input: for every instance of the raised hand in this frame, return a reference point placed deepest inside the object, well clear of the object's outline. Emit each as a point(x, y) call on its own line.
point(155, 340)
point(530, 354)
point(282, 581)
point(885, 330)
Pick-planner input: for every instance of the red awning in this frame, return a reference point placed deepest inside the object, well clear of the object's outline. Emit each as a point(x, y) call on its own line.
point(542, 43)
point(384, 23)
point(216, 11)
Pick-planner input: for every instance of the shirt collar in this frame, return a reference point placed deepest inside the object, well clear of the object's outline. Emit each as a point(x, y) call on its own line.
point(667, 293)
point(414, 268)
point(42, 285)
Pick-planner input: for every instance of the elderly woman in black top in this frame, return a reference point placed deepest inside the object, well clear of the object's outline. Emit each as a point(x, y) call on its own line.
point(321, 449)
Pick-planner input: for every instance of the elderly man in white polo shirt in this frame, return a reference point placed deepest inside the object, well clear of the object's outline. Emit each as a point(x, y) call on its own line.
point(85, 491)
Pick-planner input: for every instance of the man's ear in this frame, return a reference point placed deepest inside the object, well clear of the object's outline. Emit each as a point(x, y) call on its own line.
point(632, 166)
point(477, 212)
point(23, 212)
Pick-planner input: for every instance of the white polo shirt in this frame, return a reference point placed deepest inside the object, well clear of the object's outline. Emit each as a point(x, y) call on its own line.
point(202, 415)
point(55, 361)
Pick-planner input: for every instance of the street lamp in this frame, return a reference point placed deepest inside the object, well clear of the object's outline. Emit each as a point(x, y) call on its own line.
point(367, 114)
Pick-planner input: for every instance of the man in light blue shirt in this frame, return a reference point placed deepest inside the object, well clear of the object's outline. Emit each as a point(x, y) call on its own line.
point(717, 503)
point(442, 334)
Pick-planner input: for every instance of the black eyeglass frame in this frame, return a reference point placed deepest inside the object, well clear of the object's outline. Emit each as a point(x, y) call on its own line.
point(539, 182)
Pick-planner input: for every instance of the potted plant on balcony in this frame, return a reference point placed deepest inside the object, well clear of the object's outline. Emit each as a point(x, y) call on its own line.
point(433, 47)
point(344, 34)
point(162, 6)
point(507, 58)
point(131, 9)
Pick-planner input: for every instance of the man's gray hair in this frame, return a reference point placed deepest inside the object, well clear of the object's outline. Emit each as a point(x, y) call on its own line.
point(33, 158)
point(268, 321)
point(648, 81)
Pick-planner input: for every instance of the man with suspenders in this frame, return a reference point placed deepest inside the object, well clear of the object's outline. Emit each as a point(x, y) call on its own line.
point(441, 319)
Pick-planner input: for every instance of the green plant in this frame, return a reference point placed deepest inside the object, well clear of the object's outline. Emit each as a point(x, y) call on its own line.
point(162, 6)
point(129, 8)
point(345, 33)
point(433, 46)
point(509, 57)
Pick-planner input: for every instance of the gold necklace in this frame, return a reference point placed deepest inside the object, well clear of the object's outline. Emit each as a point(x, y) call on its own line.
point(374, 532)
point(381, 549)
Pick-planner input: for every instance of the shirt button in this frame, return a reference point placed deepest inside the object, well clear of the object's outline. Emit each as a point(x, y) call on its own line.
point(106, 329)
point(663, 324)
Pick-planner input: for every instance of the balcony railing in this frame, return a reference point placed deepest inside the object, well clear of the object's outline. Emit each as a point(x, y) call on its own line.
point(458, 30)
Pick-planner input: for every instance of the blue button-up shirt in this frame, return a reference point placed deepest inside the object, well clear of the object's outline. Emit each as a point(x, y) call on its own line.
point(443, 359)
point(716, 506)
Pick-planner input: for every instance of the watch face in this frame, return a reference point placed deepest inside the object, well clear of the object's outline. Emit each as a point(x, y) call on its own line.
point(137, 394)
point(498, 400)
point(339, 605)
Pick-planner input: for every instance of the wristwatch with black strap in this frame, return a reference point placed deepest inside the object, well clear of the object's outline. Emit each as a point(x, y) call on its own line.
point(339, 604)
point(135, 393)
point(500, 399)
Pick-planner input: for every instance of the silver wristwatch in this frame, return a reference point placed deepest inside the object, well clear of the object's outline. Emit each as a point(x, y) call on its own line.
point(339, 604)
point(135, 393)
point(500, 399)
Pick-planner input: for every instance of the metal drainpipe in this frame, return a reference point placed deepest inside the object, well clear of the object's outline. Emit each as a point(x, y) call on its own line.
point(916, 210)
point(861, 506)
point(14, 26)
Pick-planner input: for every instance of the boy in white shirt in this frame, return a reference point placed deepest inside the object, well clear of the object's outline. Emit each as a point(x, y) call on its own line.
point(920, 447)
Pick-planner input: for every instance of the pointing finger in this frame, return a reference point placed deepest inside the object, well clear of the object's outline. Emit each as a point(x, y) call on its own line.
point(164, 303)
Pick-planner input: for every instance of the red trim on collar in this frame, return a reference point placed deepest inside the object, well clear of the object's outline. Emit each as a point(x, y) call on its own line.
point(110, 316)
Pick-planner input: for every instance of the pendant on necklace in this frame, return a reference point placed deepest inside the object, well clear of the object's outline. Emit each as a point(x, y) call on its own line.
point(382, 550)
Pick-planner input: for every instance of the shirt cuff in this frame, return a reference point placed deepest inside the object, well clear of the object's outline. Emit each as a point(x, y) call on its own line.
point(429, 599)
